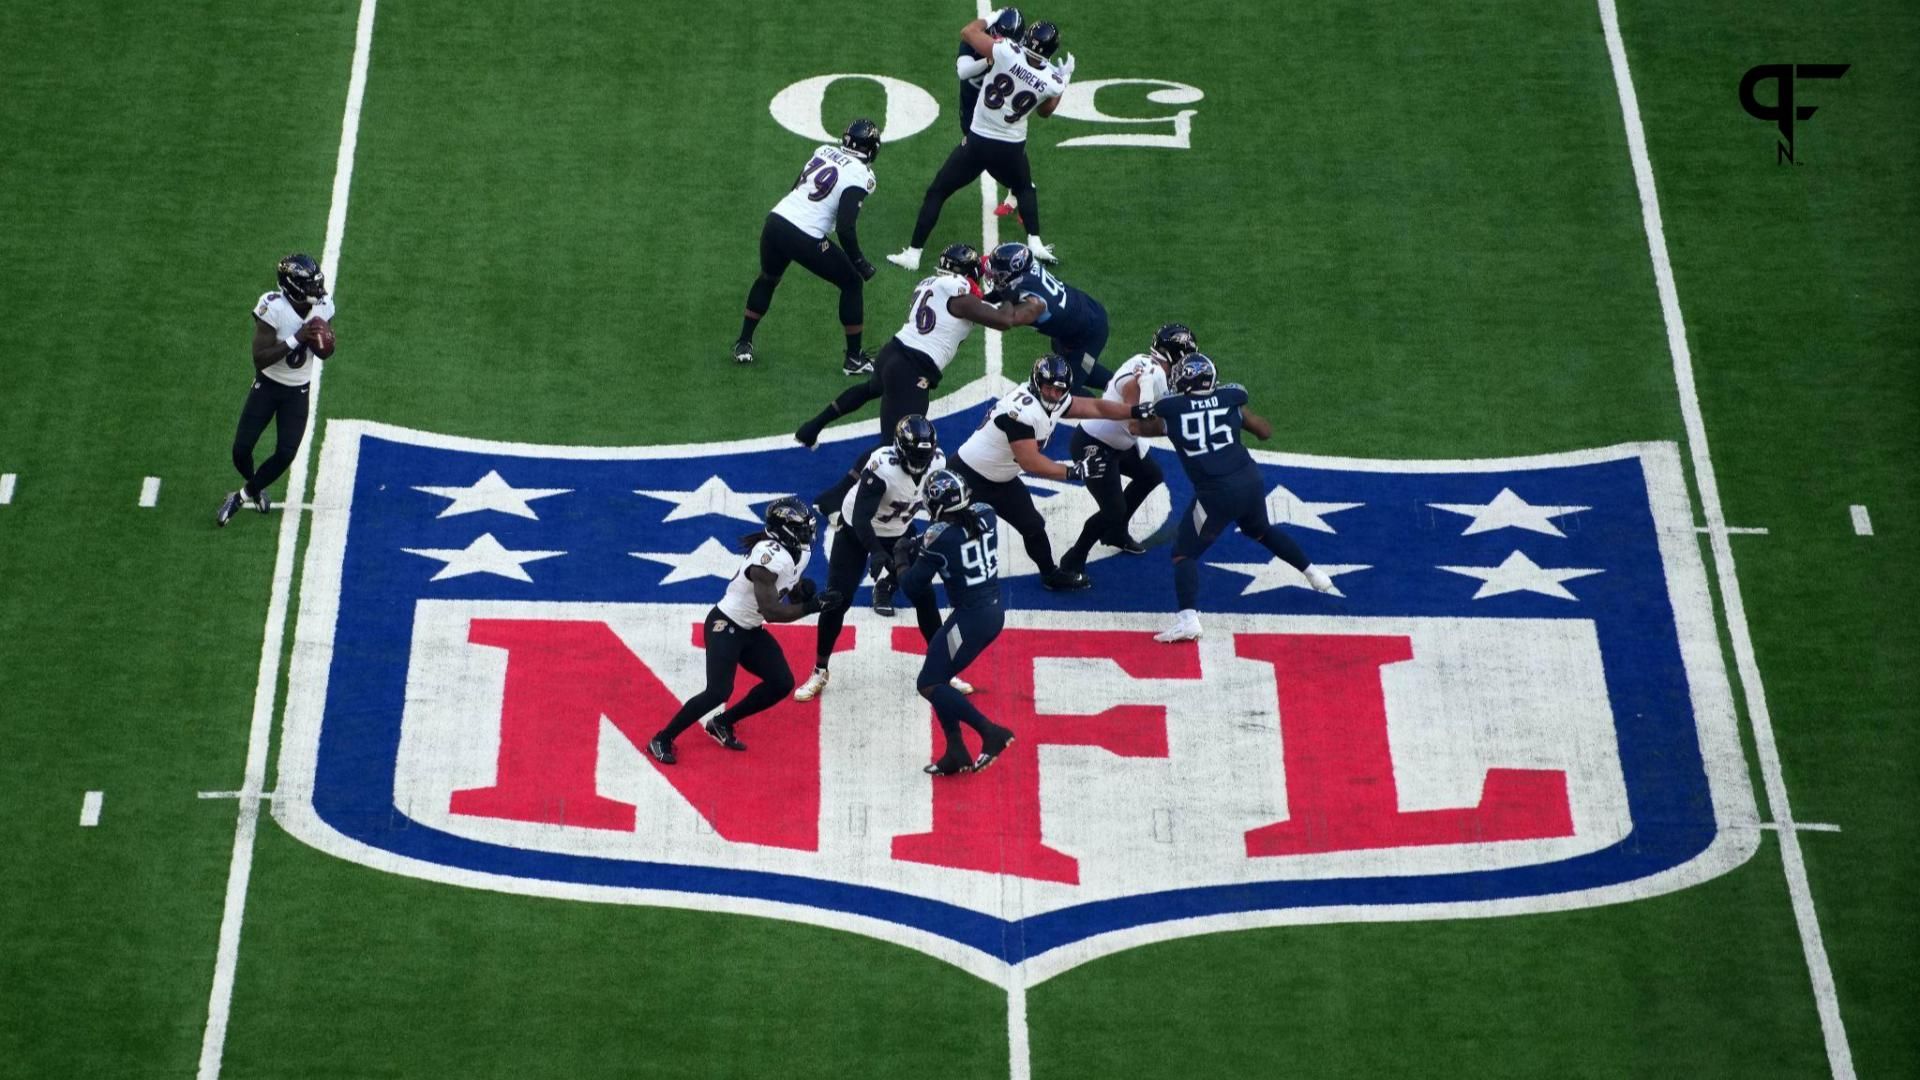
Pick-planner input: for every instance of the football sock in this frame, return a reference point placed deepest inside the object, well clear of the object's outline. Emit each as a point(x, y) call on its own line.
point(1186, 582)
point(1029, 202)
point(747, 326)
point(853, 342)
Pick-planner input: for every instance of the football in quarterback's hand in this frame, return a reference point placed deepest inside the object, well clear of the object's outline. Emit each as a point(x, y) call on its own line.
point(318, 334)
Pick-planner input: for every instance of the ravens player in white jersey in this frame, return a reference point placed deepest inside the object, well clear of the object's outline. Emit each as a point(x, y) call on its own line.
point(962, 547)
point(873, 519)
point(1203, 419)
point(1008, 444)
point(825, 197)
point(1141, 380)
point(291, 326)
point(1021, 82)
point(768, 587)
point(971, 67)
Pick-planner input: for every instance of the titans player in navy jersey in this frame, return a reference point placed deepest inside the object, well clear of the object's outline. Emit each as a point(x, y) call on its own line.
point(1074, 322)
point(1203, 419)
point(962, 547)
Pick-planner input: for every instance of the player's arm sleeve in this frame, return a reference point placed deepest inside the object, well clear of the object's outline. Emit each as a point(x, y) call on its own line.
point(918, 584)
point(850, 201)
point(1014, 429)
point(865, 505)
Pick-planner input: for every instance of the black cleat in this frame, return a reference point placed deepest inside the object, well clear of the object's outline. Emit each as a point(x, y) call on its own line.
point(722, 733)
point(1125, 543)
point(807, 434)
point(857, 363)
point(993, 748)
point(743, 351)
point(883, 597)
point(949, 765)
point(662, 750)
point(259, 502)
point(229, 506)
point(1064, 580)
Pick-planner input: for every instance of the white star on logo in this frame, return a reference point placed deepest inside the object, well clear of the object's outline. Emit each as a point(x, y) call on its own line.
point(1286, 508)
point(483, 556)
point(1520, 574)
point(1508, 509)
point(1274, 574)
point(710, 559)
point(490, 492)
point(713, 497)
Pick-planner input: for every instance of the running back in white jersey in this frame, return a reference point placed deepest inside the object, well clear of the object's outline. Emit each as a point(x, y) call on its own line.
point(277, 311)
point(1012, 89)
point(740, 603)
point(989, 452)
point(930, 327)
point(814, 202)
point(902, 498)
point(1139, 368)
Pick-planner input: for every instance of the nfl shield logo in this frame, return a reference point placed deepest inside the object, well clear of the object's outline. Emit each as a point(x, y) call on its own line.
point(1515, 701)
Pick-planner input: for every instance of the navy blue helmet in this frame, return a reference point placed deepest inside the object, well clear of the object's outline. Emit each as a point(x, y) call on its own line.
point(945, 494)
point(1008, 263)
point(300, 279)
point(1194, 375)
point(862, 139)
point(1009, 24)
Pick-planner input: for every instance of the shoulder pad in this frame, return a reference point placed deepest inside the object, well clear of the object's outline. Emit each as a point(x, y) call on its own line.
point(266, 303)
point(934, 532)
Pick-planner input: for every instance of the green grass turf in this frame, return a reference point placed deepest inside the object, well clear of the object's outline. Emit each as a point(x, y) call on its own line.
point(1411, 233)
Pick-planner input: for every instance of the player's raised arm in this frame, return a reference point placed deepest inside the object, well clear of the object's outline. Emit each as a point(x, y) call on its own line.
point(1086, 408)
point(977, 37)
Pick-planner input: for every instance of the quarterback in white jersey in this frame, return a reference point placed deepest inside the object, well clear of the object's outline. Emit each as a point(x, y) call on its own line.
point(291, 326)
point(1009, 443)
point(1022, 81)
point(1142, 380)
point(768, 587)
point(825, 198)
point(873, 518)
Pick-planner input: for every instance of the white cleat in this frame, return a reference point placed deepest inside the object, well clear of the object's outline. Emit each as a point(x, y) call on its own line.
point(1041, 251)
point(1319, 581)
point(961, 685)
point(812, 687)
point(1186, 627)
point(907, 259)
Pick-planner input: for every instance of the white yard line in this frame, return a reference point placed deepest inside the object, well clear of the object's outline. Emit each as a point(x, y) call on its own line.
point(1862, 524)
point(1734, 530)
point(220, 999)
point(990, 239)
point(7, 480)
point(150, 492)
point(1839, 1056)
point(90, 808)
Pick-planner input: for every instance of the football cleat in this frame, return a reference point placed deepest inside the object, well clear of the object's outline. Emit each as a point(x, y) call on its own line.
point(906, 259)
point(883, 598)
point(1005, 208)
point(1064, 580)
point(1125, 543)
point(807, 435)
point(992, 747)
point(948, 765)
point(743, 351)
point(862, 139)
point(662, 750)
point(857, 363)
point(722, 733)
point(1319, 581)
point(790, 521)
point(812, 687)
point(1041, 251)
point(259, 502)
point(1186, 627)
point(229, 506)
point(961, 685)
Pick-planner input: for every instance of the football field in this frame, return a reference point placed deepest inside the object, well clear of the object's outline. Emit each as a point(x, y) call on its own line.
point(1431, 241)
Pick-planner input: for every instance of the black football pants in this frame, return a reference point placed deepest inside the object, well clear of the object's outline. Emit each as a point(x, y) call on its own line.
point(286, 408)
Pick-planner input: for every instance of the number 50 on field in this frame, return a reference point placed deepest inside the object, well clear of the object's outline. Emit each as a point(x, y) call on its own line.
point(911, 110)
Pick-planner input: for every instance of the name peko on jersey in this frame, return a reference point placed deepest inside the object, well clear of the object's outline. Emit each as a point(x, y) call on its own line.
point(1139, 368)
point(739, 603)
point(1205, 429)
point(277, 312)
point(930, 327)
point(901, 500)
point(1011, 90)
point(989, 450)
point(814, 202)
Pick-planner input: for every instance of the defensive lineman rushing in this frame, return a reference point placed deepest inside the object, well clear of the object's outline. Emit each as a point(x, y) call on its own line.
point(737, 636)
point(291, 326)
point(1141, 380)
point(825, 197)
point(873, 518)
point(1073, 322)
point(1022, 80)
point(961, 546)
point(1009, 442)
point(1203, 419)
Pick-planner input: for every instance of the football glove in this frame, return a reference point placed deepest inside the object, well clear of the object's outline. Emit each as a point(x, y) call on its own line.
point(822, 601)
point(1066, 66)
point(1143, 410)
point(803, 590)
point(1091, 466)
